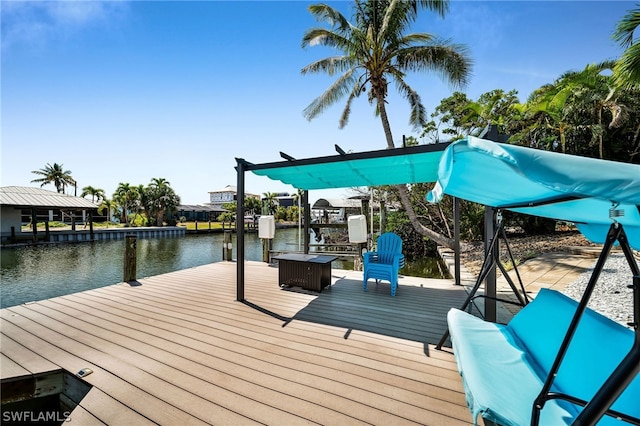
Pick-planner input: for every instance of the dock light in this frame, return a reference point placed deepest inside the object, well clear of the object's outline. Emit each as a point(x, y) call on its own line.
point(357, 228)
point(266, 227)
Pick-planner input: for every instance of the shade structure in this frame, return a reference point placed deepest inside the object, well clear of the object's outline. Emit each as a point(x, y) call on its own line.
point(416, 164)
point(541, 183)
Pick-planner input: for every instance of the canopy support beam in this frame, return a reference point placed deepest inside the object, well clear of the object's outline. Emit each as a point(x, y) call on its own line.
point(241, 167)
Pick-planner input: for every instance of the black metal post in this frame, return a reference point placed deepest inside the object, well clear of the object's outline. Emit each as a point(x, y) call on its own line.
point(307, 220)
point(629, 367)
point(490, 313)
point(240, 230)
point(456, 237)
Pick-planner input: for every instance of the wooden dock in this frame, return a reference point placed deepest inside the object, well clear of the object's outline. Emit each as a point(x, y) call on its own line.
point(178, 349)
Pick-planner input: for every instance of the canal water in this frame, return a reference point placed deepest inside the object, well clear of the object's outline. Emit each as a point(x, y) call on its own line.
point(40, 272)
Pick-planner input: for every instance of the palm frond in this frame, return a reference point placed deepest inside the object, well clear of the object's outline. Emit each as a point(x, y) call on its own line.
point(346, 112)
point(326, 13)
point(324, 37)
point(450, 60)
point(623, 33)
point(626, 72)
point(331, 66)
point(335, 92)
point(417, 118)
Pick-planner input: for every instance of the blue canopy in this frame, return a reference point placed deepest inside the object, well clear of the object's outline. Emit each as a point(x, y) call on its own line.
point(541, 183)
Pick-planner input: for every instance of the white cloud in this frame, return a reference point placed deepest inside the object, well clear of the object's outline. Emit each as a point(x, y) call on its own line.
point(34, 24)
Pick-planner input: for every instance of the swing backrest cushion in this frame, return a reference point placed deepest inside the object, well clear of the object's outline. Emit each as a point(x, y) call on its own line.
point(597, 347)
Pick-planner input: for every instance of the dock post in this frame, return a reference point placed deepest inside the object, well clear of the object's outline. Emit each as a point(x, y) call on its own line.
point(34, 224)
point(47, 231)
point(227, 246)
point(130, 258)
point(266, 248)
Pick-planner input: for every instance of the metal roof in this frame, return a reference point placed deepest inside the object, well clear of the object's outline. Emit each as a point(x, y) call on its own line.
point(26, 197)
point(199, 208)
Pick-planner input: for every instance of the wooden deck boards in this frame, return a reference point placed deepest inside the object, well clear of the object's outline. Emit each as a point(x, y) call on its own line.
point(178, 349)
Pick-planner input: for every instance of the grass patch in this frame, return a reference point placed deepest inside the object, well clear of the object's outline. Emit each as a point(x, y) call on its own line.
point(191, 226)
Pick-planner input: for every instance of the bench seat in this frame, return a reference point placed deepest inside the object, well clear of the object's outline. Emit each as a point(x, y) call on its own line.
point(503, 367)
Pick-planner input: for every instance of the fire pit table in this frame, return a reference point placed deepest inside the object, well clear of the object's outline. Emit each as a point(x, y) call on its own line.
point(309, 271)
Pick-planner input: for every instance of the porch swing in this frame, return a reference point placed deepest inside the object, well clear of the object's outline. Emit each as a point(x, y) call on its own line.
point(556, 361)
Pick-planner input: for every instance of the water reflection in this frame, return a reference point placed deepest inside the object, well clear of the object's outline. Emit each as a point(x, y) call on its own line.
point(41, 272)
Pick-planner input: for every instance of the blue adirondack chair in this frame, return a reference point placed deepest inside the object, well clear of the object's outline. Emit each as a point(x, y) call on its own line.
point(385, 262)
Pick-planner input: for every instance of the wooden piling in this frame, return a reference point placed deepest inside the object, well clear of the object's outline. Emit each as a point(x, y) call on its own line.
point(227, 246)
point(34, 225)
point(130, 258)
point(267, 243)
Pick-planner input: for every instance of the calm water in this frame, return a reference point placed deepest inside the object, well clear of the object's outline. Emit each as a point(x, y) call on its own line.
point(42, 272)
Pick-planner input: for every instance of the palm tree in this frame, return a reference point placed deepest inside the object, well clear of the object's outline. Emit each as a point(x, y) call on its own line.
point(549, 106)
point(252, 205)
point(54, 174)
point(627, 69)
point(270, 201)
point(97, 194)
point(109, 206)
point(160, 198)
point(126, 196)
point(376, 50)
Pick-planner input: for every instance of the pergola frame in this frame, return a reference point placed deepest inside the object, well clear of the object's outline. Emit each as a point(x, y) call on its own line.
point(244, 166)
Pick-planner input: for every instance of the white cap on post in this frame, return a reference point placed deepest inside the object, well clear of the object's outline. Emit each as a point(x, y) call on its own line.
point(266, 227)
point(357, 228)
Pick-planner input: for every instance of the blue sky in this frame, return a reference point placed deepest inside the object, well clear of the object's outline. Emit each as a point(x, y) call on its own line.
point(127, 91)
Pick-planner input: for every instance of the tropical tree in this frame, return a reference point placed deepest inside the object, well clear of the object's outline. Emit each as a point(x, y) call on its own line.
point(377, 50)
point(580, 103)
point(252, 205)
point(270, 202)
point(97, 194)
point(159, 198)
point(56, 175)
point(627, 69)
point(107, 206)
point(127, 197)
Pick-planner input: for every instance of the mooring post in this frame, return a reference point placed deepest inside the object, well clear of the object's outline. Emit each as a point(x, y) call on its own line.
point(130, 258)
point(227, 246)
point(34, 223)
point(46, 231)
point(266, 248)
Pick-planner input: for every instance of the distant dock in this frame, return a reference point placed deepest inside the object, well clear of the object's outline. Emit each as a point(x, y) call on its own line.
point(100, 234)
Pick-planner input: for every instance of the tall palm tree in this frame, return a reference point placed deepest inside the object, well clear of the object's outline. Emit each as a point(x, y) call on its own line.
point(56, 175)
point(127, 197)
point(97, 194)
point(627, 69)
point(375, 51)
